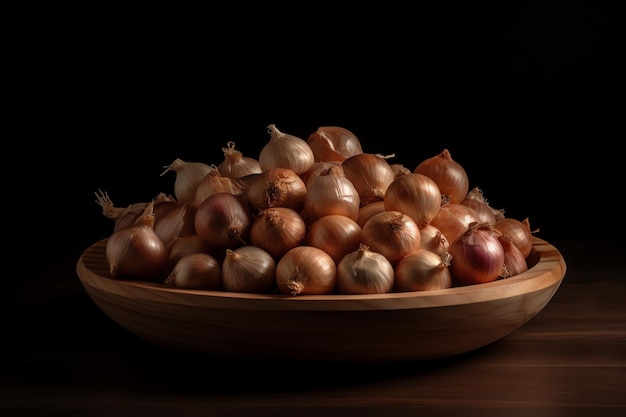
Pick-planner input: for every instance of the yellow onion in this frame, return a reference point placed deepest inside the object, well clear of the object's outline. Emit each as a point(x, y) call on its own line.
point(370, 174)
point(306, 270)
point(434, 240)
point(277, 229)
point(334, 143)
point(235, 165)
point(214, 182)
point(392, 234)
point(477, 256)
point(248, 269)
point(199, 271)
point(331, 193)
point(335, 234)
point(188, 176)
point(519, 232)
point(286, 151)
point(453, 219)
point(423, 270)
point(448, 174)
point(368, 210)
point(416, 195)
point(275, 187)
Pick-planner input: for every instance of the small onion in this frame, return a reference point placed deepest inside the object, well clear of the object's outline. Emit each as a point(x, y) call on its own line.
point(423, 270)
point(477, 256)
point(416, 195)
point(448, 174)
point(189, 244)
point(434, 240)
point(306, 270)
point(514, 260)
point(199, 271)
point(177, 222)
point(235, 165)
point(364, 272)
point(137, 251)
point(335, 234)
point(286, 151)
point(248, 269)
point(392, 234)
point(334, 143)
point(215, 182)
point(188, 176)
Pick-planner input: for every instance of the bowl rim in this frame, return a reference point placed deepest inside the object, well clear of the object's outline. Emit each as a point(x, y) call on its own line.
point(547, 268)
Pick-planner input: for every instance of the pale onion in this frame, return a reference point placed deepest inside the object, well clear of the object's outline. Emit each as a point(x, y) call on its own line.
point(316, 169)
point(277, 229)
point(136, 251)
point(370, 174)
point(198, 271)
point(331, 193)
point(392, 234)
point(453, 219)
point(519, 231)
point(215, 182)
point(514, 259)
point(188, 176)
point(176, 222)
point(276, 187)
point(477, 256)
point(186, 245)
point(335, 234)
point(286, 151)
point(423, 270)
point(224, 220)
point(364, 272)
point(476, 200)
point(334, 143)
point(306, 270)
point(434, 240)
point(416, 195)
point(248, 269)
point(448, 174)
point(235, 165)
point(368, 210)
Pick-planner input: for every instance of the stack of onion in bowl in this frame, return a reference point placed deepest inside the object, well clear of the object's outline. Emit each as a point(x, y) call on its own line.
point(316, 216)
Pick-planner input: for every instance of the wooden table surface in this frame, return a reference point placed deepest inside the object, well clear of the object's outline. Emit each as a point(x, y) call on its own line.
point(63, 357)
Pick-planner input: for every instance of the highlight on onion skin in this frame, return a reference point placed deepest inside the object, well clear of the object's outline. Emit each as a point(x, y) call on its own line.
point(477, 256)
point(449, 175)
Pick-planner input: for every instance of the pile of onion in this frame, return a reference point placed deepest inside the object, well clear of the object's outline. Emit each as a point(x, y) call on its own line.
point(316, 216)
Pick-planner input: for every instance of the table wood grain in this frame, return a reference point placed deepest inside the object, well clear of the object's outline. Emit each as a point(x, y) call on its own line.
point(62, 356)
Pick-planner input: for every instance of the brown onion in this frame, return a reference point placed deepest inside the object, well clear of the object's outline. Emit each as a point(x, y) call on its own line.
point(477, 256)
point(186, 245)
point(453, 219)
point(392, 234)
point(476, 200)
point(276, 187)
point(331, 193)
point(416, 195)
point(423, 270)
point(235, 165)
point(449, 175)
point(368, 210)
point(224, 220)
point(370, 174)
point(514, 259)
point(306, 270)
point(364, 272)
point(335, 234)
point(248, 269)
point(199, 271)
point(519, 231)
point(434, 240)
point(286, 151)
point(334, 143)
point(214, 182)
point(278, 229)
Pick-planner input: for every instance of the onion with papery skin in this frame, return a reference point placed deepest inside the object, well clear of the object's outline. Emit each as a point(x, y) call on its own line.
point(514, 260)
point(335, 234)
point(519, 231)
point(331, 193)
point(368, 210)
point(248, 269)
point(334, 143)
point(415, 195)
point(278, 229)
point(423, 270)
point(224, 220)
point(136, 251)
point(453, 219)
point(306, 270)
point(176, 222)
point(188, 176)
point(364, 272)
point(476, 200)
point(189, 244)
point(448, 174)
point(434, 240)
point(235, 165)
point(215, 182)
point(286, 151)
point(276, 187)
point(392, 234)
point(198, 271)
point(477, 256)
point(316, 169)
point(127, 216)
point(370, 174)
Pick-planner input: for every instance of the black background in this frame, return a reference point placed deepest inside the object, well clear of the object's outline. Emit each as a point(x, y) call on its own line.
point(527, 97)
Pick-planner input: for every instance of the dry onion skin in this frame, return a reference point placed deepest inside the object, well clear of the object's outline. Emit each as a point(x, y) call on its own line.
point(235, 165)
point(286, 151)
point(423, 270)
point(416, 195)
point(477, 256)
point(449, 175)
point(197, 271)
point(188, 176)
point(334, 143)
point(392, 234)
point(306, 270)
point(365, 272)
point(248, 269)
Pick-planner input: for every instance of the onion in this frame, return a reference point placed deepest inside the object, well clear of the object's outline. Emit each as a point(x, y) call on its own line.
point(235, 165)
point(392, 234)
point(434, 240)
point(215, 182)
point(199, 271)
point(477, 256)
point(449, 175)
point(189, 244)
point(277, 229)
point(286, 151)
point(416, 195)
point(476, 200)
point(453, 219)
point(335, 234)
point(370, 174)
point(188, 176)
point(514, 259)
point(137, 251)
point(519, 232)
point(368, 210)
point(334, 143)
point(364, 272)
point(331, 193)
point(276, 187)
point(224, 220)
point(422, 271)
point(306, 270)
point(248, 269)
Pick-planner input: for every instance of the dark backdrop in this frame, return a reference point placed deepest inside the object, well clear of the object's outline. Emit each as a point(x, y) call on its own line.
point(527, 97)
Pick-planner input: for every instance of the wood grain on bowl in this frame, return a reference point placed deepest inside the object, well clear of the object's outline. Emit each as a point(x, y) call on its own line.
point(402, 326)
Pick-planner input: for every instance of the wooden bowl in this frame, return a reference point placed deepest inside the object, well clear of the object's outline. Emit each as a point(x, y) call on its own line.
point(404, 326)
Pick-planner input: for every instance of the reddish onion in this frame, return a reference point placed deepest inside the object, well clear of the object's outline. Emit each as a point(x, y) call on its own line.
point(514, 259)
point(477, 256)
